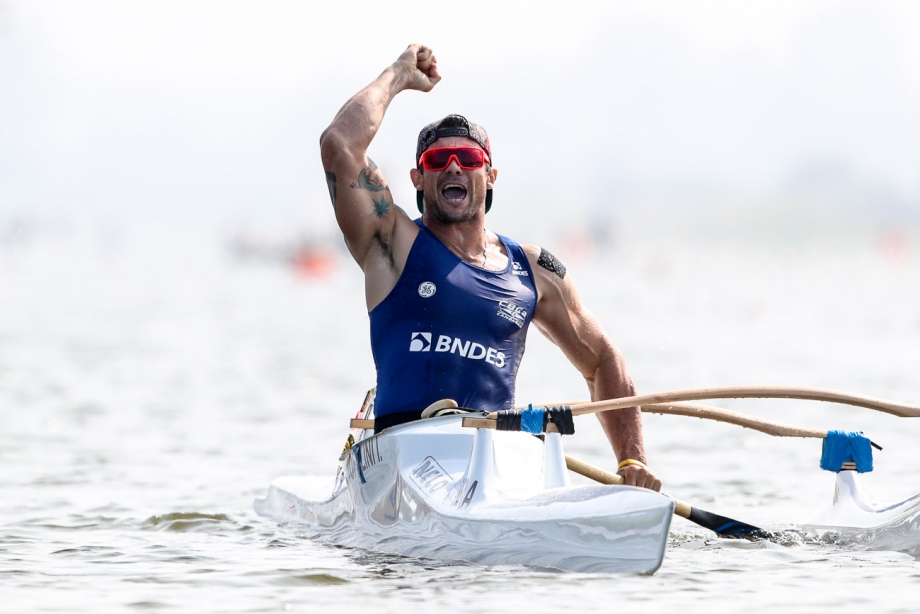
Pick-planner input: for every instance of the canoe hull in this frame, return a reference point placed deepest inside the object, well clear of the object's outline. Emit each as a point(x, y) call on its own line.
point(429, 490)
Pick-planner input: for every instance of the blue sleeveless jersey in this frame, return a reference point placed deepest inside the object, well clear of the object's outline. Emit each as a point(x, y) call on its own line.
point(451, 330)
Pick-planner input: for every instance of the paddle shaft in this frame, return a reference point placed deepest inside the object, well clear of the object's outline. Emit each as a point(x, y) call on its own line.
point(725, 527)
point(605, 477)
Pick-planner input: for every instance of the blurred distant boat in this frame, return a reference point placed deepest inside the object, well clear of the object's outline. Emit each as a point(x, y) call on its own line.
point(314, 261)
point(305, 256)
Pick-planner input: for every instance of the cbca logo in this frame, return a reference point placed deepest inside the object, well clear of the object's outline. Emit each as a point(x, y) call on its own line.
point(426, 289)
point(421, 342)
point(512, 312)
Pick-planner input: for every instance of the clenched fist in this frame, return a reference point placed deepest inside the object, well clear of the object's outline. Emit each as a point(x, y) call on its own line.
point(418, 68)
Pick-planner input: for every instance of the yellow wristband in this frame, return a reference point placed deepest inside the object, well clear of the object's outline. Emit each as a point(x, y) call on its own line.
point(630, 461)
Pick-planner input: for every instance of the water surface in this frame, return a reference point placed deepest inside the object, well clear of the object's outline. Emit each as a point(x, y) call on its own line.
point(144, 405)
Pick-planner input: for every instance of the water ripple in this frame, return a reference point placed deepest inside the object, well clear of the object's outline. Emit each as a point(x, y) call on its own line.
point(189, 521)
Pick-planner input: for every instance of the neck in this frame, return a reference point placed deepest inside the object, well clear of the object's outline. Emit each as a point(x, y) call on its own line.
point(470, 241)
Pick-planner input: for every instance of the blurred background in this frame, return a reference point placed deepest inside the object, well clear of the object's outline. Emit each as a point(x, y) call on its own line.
point(184, 128)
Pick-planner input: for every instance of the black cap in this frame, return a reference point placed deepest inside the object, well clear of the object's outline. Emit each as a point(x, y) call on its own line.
point(452, 125)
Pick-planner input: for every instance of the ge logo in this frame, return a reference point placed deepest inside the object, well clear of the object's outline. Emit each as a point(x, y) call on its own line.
point(426, 289)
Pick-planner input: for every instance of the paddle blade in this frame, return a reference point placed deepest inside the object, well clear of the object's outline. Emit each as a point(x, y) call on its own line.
point(726, 527)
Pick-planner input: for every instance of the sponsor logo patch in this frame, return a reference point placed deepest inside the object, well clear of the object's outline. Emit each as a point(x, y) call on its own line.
point(517, 269)
point(426, 289)
point(421, 342)
point(512, 312)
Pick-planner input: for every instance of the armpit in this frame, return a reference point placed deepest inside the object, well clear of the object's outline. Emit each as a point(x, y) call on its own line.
point(330, 182)
point(551, 263)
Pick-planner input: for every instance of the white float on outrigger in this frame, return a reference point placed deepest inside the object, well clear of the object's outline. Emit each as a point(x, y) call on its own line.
point(852, 517)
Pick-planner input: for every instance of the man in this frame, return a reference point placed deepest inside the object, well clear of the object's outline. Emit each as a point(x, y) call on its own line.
point(450, 301)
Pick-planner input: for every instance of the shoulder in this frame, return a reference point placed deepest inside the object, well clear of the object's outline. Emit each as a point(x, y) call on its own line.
point(544, 262)
point(549, 273)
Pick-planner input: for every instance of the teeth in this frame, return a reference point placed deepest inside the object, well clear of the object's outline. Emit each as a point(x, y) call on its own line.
point(448, 186)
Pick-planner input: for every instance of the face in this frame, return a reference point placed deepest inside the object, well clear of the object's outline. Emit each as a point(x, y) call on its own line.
point(454, 194)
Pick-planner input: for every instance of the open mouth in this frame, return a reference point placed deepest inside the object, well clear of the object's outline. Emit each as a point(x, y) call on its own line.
point(453, 192)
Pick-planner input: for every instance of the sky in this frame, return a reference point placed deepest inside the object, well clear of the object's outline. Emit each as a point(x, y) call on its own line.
point(208, 113)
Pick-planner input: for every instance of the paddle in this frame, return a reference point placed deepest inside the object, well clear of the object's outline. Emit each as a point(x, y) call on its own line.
point(721, 525)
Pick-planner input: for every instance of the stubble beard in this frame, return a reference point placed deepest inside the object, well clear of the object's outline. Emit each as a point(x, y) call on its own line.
point(449, 216)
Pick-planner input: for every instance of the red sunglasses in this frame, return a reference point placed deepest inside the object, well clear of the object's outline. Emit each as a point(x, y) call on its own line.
point(469, 158)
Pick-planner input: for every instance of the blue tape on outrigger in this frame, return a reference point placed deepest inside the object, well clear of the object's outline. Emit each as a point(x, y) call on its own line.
point(846, 446)
point(532, 420)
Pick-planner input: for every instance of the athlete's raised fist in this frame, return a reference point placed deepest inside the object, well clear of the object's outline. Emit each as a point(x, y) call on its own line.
point(418, 67)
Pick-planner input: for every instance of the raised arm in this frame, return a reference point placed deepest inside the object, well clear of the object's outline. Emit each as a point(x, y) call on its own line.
point(563, 319)
point(362, 201)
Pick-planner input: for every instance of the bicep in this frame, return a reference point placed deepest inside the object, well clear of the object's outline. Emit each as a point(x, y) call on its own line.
point(580, 339)
point(564, 320)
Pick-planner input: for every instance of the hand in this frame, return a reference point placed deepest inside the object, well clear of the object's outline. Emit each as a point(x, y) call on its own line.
point(638, 475)
point(418, 67)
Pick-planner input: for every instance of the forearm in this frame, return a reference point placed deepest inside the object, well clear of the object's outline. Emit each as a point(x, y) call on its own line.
point(623, 427)
point(359, 119)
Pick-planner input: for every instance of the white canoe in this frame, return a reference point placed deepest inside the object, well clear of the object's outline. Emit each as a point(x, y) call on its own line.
point(434, 489)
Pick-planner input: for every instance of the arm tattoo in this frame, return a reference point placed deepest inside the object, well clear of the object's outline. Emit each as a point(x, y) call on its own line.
point(551, 263)
point(381, 207)
point(369, 179)
point(330, 182)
